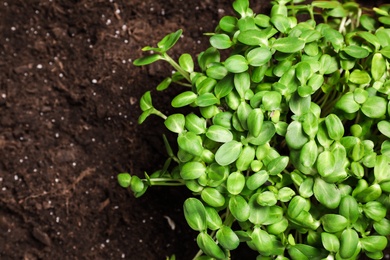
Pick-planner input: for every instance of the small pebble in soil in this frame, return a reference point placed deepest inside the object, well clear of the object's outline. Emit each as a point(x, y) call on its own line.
point(39, 66)
point(94, 81)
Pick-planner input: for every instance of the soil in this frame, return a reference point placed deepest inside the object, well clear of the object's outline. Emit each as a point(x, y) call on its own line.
point(68, 124)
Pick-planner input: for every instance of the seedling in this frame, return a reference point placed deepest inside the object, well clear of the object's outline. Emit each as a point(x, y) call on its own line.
point(287, 148)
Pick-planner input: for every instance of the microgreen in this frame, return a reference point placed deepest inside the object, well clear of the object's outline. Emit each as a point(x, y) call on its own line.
point(287, 146)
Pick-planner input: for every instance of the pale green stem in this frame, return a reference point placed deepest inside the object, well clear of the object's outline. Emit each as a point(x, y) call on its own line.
point(166, 182)
point(176, 66)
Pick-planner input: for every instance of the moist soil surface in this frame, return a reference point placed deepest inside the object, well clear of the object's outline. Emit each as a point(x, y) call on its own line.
point(68, 124)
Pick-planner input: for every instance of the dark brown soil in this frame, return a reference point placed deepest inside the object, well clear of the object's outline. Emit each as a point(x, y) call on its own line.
point(68, 124)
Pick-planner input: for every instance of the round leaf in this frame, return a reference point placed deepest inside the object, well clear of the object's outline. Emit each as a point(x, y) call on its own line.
point(212, 197)
point(227, 238)
point(219, 134)
point(175, 123)
point(228, 153)
point(236, 64)
point(192, 170)
point(195, 214)
point(235, 183)
point(374, 107)
point(288, 44)
point(239, 208)
point(326, 193)
point(209, 246)
point(184, 99)
point(220, 41)
point(258, 56)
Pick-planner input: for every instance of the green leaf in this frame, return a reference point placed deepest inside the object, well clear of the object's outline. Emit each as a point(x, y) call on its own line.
point(330, 242)
point(349, 208)
point(384, 19)
point(382, 227)
point(278, 227)
point(326, 163)
point(258, 56)
point(235, 183)
point(381, 169)
point(192, 170)
point(349, 242)
point(213, 219)
point(217, 71)
point(242, 83)
point(328, 64)
point(228, 153)
point(183, 99)
point(211, 55)
point(190, 143)
point(285, 194)
point(297, 205)
point(347, 103)
point(255, 122)
point(378, 66)
point(169, 40)
point(386, 51)
point(228, 23)
point(326, 4)
point(146, 101)
point(299, 105)
point(333, 223)
point(241, 7)
point(360, 77)
point(145, 115)
point(256, 180)
point(212, 197)
point(195, 124)
point(186, 62)
point(303, 72)
point(277, 165)
point(164, 84)
point(368, 22)
point(334, 37)
point(266, 198)
point(295, 137)
point(375, 210)
point(271, 100)
point(124, 180)
point(236, 64)
point(288, 44)
point(267, 132)
point(239, 208)
point(206, 99)
point(370, 193)
point(356, 51)
point(136, 184)
point(209, 246)
point(175, 123)
point(281, 23)
point(373, 243)
point(334, 126)
point(224, 86)
point(246, 158)
point(303, 252)
point(262, 241)
point(374, 107)
point(309, 154)
point(147, 60)
point(221, 41)
point(227, 238)
point(219, 134)
point(326, 193)
point(384, 128)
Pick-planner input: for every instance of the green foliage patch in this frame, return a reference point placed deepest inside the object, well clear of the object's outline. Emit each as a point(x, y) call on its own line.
point(287, 148)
